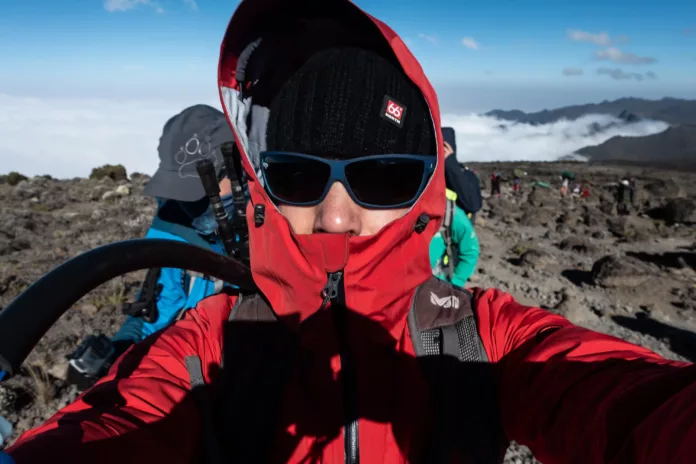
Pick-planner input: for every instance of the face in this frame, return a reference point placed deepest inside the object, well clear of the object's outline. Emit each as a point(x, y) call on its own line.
point(225, 187)
point(338, 214)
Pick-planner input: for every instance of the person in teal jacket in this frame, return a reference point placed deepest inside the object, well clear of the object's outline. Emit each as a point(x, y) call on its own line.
point(457, 265)
point(454, 249)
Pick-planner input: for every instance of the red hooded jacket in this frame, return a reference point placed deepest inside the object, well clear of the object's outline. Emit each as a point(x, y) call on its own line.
point(570, 394)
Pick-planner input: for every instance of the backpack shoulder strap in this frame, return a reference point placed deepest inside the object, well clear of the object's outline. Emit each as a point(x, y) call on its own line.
point(446, 231)
point(258, 359)
point(145, 305)
point(184, 232)
point(450, 352)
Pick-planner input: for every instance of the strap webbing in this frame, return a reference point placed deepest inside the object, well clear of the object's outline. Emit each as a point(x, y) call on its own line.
point(446, 232)
point(199, 390)
point(188, 234)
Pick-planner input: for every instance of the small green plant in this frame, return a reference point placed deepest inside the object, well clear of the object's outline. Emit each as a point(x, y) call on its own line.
point(42, 388)
point(40, 208)
point(114, 172)
point(15, 178)
point(519, 249)
point(113, 297)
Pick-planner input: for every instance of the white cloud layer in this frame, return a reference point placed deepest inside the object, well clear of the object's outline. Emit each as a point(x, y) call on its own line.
point(469, 42)
point(125, 5)
point(617, 56)
point(68, 137)
point(432, 39)
point(484, 138)
point(600, 38)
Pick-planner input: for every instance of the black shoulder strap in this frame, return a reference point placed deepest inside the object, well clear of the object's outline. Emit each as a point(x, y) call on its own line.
point(445, 337)
point(446, 231)
point(258, 359)
point(146, 304)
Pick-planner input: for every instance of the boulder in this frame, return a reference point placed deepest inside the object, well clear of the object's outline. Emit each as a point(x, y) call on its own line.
point(620, 271)
point(536, 259)
point(682, 210)
point(579, 244)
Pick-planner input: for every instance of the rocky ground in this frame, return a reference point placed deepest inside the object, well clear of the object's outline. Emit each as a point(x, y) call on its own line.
point(633, 276)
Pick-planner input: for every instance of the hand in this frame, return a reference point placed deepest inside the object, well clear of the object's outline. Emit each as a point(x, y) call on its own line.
point(448, 149)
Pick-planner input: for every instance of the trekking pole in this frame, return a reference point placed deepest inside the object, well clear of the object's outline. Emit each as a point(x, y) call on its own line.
point(239, 223)
point(206, 171)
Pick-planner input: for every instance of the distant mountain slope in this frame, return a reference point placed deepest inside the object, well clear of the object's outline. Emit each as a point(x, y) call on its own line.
point(674, 147)
point(673, 111)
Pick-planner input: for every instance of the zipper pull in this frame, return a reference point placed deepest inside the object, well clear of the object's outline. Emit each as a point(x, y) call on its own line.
point(330, 290)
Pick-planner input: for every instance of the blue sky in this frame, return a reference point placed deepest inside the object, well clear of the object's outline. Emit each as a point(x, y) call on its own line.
point(479, 55)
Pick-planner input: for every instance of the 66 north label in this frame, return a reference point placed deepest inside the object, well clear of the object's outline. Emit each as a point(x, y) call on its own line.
point(393, 111)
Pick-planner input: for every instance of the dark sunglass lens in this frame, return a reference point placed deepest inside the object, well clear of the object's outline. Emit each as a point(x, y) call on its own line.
point(294, 179)
point(386, 182)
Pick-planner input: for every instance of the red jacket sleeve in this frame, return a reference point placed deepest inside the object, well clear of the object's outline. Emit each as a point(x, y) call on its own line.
point(576, 396)
point(142, 411)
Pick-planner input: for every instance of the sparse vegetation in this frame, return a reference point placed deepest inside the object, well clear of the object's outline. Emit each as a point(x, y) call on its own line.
point(43, 390)
point(114, 172)
point(113, 297)
point(15, 178)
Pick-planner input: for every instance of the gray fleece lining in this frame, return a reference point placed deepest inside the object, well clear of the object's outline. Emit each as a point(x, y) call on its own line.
point(253, 138)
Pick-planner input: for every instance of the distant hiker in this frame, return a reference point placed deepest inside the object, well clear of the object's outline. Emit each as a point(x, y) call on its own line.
point(454, 249)
point(496, 179)
point(585, 191)
point(532, 197)
point(350, 350)
point(463, 182)
point(184, 214)
point(632, 190)
point(564, 186)
point(623, 193)
point(516, 182)
point(566, 177)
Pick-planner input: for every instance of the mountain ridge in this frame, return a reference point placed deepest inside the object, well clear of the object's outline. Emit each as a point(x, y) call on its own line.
point(674, 111)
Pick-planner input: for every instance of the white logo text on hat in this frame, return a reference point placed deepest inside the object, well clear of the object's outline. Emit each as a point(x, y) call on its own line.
point(393, 111)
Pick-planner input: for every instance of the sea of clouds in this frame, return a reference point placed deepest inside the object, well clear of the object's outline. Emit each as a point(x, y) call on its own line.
point(484, 138)
point(68, 137)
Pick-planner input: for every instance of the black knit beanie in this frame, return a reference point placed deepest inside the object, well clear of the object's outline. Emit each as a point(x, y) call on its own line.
point(349, 102)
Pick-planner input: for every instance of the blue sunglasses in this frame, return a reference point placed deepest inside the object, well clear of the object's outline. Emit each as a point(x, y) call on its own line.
point(374, 182)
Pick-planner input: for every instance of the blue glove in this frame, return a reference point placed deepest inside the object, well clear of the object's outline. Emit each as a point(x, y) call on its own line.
point(6, 458)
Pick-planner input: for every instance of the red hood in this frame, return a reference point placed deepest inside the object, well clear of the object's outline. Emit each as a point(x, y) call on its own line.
point(381, 271)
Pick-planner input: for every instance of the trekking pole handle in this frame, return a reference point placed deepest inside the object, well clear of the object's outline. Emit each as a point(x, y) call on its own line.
point(206, 171)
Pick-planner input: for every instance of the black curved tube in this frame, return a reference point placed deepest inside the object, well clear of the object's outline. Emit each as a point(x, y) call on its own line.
point(24, 321)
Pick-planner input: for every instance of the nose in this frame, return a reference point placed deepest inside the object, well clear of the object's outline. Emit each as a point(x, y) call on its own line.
point(338, 213)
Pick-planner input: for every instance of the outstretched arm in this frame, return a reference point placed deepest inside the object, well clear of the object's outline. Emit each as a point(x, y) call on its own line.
point(142, 411)
point(577, 396)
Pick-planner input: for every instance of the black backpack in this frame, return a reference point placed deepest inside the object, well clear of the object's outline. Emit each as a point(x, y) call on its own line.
point(470, 199)
point(465, 184)
point(259, 355)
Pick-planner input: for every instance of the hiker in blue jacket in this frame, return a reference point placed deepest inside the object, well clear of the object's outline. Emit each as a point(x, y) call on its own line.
point(454, 250)
point(184, 214)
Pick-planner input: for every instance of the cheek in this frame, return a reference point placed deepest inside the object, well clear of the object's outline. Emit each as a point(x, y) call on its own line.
point(375, 220)
point(301, 219)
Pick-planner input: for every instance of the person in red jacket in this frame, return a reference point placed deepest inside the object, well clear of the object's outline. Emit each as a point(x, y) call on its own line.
point(339, 132)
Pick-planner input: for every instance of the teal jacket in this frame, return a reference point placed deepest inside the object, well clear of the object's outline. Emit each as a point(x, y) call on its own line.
point(464, 242)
